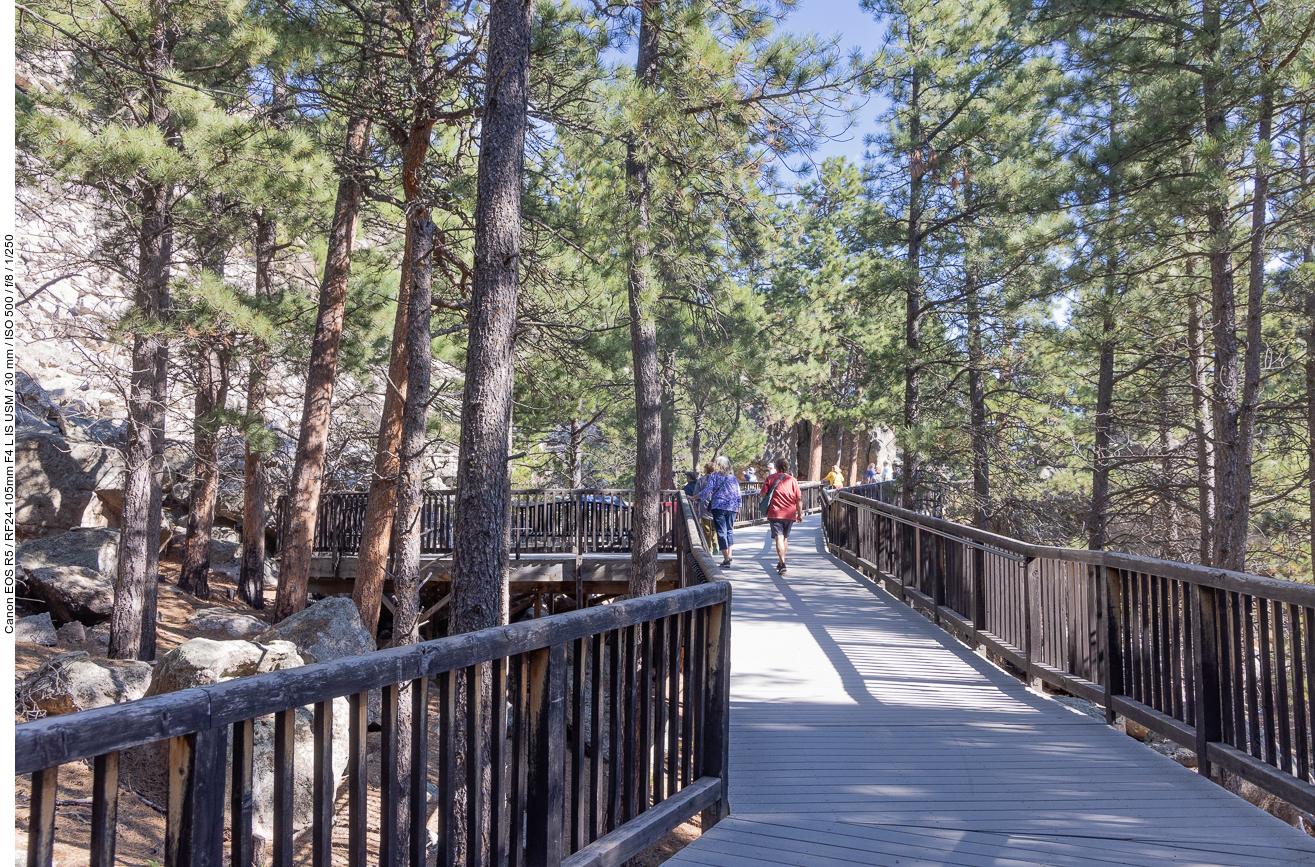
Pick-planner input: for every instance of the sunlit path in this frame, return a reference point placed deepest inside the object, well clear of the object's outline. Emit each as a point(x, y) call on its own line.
point(863, 734)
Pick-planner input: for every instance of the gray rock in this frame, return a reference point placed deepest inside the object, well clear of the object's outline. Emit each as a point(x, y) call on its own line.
point(233, 624)
point(222, 551)
point(326, 630)
point(202, 661)
point(74, 593)
point(100, 634)
point(323, 631)
point(37, 629)
point(74, 681)
point(57, 481)
point(71, 633)
point(232, 570)
point(96, 549)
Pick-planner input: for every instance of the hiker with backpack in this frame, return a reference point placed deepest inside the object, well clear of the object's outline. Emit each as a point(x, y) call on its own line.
point(784, 506)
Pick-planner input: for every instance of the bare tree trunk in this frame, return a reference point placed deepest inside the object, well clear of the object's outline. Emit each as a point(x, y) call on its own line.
point(913, 308)
point(406, 581)
point(1100, 460)
point(815, 433)
point(854, 447)
point(668, 427)
point(211, 397)
point(308, 472)
point(1229, 550)
point(255, 478)
point(381, 503)
point(575, 454)
point(1203, 428)
point(483, 502)
point(643, 339)
point(977, 409)
point(132, 623)
point(1247, 412)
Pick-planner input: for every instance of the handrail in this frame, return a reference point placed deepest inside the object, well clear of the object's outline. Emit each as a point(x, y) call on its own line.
point(657, 669)
point(1217, 661)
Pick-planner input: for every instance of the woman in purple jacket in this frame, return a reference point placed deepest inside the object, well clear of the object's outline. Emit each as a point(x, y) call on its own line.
point(723, 497)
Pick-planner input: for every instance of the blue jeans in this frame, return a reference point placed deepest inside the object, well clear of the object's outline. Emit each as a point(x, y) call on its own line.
point(725, 521)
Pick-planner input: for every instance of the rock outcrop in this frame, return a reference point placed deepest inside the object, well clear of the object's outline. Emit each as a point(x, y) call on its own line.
point(91, 548)
point(201, 662)
point(326, 630)
point(232, 624)
point(63, 482)
point(37, 629)
point(74, 593)
point(75, 681)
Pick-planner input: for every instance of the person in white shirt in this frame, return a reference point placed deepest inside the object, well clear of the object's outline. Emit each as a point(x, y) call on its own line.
point(750, 476)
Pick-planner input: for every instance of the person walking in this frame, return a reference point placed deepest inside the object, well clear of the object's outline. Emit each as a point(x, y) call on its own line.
point(701, 508)
point(723, 495)
point(691, 483)
point(785, 509)
point(871, 474)
point(750, 476)
point(835, 478)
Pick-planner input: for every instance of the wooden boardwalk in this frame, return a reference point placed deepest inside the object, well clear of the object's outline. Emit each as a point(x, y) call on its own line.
point(863, 734)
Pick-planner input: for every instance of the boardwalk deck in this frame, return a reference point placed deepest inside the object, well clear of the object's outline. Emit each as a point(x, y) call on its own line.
point(863, 734)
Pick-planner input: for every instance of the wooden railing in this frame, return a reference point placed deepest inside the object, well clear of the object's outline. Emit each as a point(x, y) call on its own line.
point(543, 520)
point(750, 495)
point(648, 678)
point(1220, 662)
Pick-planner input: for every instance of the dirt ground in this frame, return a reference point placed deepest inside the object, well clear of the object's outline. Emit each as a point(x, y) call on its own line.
point(141, 822)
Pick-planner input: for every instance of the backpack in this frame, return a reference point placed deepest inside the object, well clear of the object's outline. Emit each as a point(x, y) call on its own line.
point(765, 503)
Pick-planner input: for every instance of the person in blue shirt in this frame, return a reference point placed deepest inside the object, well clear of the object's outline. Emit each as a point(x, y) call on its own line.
point(722, 495)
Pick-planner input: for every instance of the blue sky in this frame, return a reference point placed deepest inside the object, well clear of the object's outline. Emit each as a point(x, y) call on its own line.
point(857, 29)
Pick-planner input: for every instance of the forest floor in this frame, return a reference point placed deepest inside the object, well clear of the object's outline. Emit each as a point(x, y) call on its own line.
point(141, 821)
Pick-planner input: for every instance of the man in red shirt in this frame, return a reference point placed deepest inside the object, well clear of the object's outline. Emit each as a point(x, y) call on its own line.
point(785, 510)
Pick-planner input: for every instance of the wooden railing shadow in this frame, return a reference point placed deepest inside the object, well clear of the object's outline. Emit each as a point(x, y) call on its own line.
point(1220, 662)
point(653, 673)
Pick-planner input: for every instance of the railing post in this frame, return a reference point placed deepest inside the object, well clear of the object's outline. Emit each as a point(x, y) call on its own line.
point(1109, 633)
point(194, 829)
point(1205, 672)
point(546, 727)
point(979, 592)
point(716, 716)
point(1031, 577)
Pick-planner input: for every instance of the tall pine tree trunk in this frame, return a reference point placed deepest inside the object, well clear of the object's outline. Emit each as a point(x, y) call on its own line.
point(1097, 522)
point(1246, 437)
point(815, 434)
point(1308, 258)
point(913, 306)
point(483, 504)
point(381, 503)
point(981, 454)
point(255, 477)
point(643, 336)
point(136, 582)
point(668, 474)
point(211, 396)
point(1203, 427)
point(406, 582)
point(1230, 499)
point(480, 537)
point(308, 472)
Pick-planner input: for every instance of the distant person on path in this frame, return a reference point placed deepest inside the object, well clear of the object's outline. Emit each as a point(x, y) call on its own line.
point(871, 474)
point(835, 478)
point(723, 496)
point(692, 483)
point(785, 510)
point(702, 510)
point(886, 478)
point(750, 477)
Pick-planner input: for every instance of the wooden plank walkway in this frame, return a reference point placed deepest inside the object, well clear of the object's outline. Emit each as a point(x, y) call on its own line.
point(863, 734)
